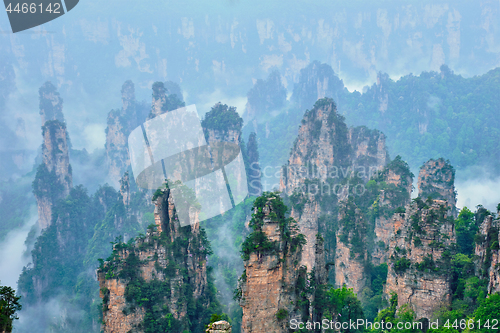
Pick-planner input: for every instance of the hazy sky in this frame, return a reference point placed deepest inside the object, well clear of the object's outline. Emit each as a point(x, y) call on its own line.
point(215, 51)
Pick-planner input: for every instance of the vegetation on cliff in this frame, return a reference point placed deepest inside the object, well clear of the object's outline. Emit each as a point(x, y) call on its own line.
point(172, 100)
point(257, 241)
point(222, 118)
point(167, 300)
point(9, 305)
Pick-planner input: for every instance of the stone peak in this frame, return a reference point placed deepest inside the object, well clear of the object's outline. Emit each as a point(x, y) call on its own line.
point(436, 179)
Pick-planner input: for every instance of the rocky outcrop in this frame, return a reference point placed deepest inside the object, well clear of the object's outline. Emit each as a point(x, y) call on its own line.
point(487, 252)
point(316, 81)
point(436, 180)
point(366, 221)
point(115, 320)
point(398, 176)
point(159, 100)
point(418, 269)
point(324, 156)
point(120, 123)
point(220, 326)
point(265, 97)
point(51, 103)
point(351, 254)
point(269, 287)
point(165, 100)
point(369, 152)
point(54, 179)
point(419, 264)
point(221, 125)
point(167, 266)
point(253, 172)
point(125, 189)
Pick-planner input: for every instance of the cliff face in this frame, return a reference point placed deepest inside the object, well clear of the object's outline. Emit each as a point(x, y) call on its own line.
point(270, 286)
point(324, 157)
point(51, 103)
point(156, 280)
point(419, 267)
point(120, 123)
point(132, 114)
point(222, 124)
point(419, 264)
point(487, 253)
point(351, 254)
point(265, 98)
point(253, 170)
point(54, 179)
point(368, 213)
point(386, 223)
point(316, 81)
point(166, 97)
point(369, 153)
point(436, 180)
point(366, 221)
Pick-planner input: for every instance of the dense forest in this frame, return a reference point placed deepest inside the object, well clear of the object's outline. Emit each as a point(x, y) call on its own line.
point(431, 115)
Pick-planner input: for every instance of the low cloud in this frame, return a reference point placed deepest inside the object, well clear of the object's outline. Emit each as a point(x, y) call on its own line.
point(207, 101)
point(477, 186)
point(13, 253)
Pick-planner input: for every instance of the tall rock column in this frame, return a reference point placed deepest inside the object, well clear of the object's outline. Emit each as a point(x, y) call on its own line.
point(436, 180)
point(222, 124)
point(53, 179)
point(124, 120)
point(366, 221)
point(270, 285)
point(488, 253)
point(419, 259)
point(254, 172)
point(165, 99)
point(324, 160)
point(155, 282)
point(120, 123)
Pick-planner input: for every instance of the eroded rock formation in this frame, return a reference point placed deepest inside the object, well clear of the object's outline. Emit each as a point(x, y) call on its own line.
point(265, 97)
point(54, 179)
point(166, 97)
point(155, 279)
point(220, 326)
point(436, 180)
point(120, 123)
point(270, 285)
point(419, 264)
point(325, 156)
point(487, 253)
point(132, 114)
point(316, 81)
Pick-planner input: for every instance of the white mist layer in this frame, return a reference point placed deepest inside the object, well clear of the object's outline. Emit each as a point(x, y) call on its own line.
point(12, 254)
point(473, 192)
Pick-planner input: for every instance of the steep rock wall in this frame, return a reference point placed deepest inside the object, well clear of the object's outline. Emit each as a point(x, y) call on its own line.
point(54, 179)
point(419, 264)
point(169, 259)
point(487, 253)
point(325, 155)
point(436, 179)
point(269, 287)
point(120, 123)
